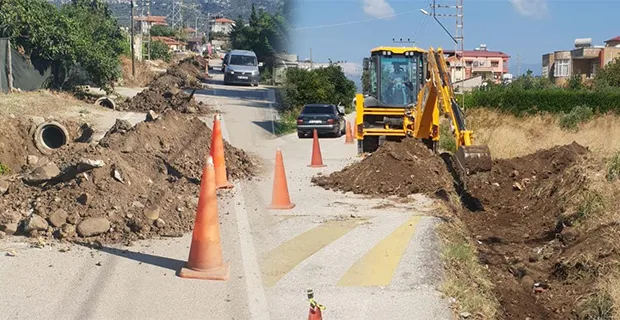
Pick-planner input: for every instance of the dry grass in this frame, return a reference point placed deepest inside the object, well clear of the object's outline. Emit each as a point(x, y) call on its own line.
point(40, 103)
point(144, 75)
point(465, 280)
point(508, 136)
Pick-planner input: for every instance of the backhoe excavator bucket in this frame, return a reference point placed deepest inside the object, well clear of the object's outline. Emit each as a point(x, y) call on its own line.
point(473, 159)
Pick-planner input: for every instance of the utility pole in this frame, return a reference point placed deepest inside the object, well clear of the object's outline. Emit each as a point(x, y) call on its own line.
point(133, 54)
point(458, 39)
point(150, 24)
point(9, 66)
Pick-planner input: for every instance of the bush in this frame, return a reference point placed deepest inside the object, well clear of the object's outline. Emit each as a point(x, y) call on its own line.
point(520, 101)
point(287, 123)
point(160, 50)
point(323, 85)
point(572, 119)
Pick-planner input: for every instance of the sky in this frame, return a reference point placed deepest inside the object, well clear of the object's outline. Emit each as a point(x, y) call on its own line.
point(346, 30)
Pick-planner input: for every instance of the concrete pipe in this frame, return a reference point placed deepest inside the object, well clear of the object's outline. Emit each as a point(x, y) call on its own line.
point(49, 136)
point(106, 102)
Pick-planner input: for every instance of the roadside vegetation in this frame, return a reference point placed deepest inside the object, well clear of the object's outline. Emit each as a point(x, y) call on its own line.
point(322, 85)
point(521, 118)
point(81, 39)
point(264, 33)
point(529, 95)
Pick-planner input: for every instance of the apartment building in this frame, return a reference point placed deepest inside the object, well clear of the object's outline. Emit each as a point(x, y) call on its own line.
point(480, 62)
point(584, 60)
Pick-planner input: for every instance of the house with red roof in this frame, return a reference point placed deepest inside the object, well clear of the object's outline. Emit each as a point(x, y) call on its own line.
point(480, 62)
point(172, 43)
point(584, 60)
point(222, 25)
point(144, 23)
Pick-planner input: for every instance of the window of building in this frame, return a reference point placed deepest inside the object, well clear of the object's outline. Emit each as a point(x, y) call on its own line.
point(562, 68)
point(545, 72)
point(495, 64)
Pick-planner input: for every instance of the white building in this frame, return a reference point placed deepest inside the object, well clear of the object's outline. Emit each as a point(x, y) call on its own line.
point(222, 25)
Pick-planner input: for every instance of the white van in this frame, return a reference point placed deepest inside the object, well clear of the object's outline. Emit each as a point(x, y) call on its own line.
point(241, 67)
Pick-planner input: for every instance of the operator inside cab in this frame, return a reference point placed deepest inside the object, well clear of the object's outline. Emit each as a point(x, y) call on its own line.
point(399, 89)
point(398, 93)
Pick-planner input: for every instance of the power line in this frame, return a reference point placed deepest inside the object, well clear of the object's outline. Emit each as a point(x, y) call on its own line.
point(354, 22)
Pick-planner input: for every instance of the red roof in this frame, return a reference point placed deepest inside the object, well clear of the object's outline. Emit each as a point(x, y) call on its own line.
point(167, 40)
point(224, 20)
point(614, 39)
point(480, 53)
point(152, 19)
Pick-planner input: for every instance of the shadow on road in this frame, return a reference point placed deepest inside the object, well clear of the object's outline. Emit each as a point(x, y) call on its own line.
point(162, 262)
point(267, 125)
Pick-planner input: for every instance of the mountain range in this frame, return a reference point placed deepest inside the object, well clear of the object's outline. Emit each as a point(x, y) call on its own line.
point(190, 9)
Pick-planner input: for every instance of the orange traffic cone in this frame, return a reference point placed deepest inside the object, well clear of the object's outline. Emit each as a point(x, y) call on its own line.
point(217, 152)
point(205, 254)
point(349, 138)
point(280, 199)
point(317, 159)
point(315, 312)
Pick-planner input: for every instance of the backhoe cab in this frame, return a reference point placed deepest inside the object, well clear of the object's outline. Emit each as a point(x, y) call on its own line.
point(396, 77)
point(409, 89)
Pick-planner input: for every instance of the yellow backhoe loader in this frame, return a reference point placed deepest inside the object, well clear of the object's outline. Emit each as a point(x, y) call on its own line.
point(410, 89)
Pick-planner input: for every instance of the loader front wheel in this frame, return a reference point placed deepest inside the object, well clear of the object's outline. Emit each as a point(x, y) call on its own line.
point(370, 144)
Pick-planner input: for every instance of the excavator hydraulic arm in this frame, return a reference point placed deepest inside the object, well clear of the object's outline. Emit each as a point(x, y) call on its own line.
point(438, 93)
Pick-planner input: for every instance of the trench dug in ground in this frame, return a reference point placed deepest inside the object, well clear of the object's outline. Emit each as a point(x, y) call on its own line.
point(523, 215)
point(137, 182)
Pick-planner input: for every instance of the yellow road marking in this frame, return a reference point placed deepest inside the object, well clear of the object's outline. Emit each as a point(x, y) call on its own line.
point(377, 267)
point(284, 258)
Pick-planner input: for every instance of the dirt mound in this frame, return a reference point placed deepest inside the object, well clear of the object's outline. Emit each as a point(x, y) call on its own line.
point(183, 143)
point(164, 92)
point(161, 98)
point(525, 211)
point(396, 168)
point(139, 182)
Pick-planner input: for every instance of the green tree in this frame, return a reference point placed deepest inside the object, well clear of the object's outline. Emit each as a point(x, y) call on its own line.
point(162, 31)
point(265, 34)
point(160, 50)
point(81, 35)
point(608, 76)
point(96, 40)
point(323, 85)
point(343, 88)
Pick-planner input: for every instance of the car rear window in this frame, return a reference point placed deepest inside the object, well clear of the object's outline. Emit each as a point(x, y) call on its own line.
point(317, 109)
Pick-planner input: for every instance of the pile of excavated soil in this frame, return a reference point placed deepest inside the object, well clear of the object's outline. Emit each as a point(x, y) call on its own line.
point(165, 92)
point(162, 98)
point(182, 142)
point(523, 214)
point(188, 73)
point(396, 168)
point(137, 183)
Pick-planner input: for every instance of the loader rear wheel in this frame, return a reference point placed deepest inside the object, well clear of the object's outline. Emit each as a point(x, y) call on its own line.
point(370, 144)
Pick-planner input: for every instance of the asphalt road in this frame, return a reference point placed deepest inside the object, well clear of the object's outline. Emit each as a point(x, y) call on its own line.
point(364, 258)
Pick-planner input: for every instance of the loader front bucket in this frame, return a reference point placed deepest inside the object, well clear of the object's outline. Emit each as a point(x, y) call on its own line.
point(473, 159)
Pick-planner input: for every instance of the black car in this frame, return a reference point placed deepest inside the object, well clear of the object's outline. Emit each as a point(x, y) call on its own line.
point(325, 118)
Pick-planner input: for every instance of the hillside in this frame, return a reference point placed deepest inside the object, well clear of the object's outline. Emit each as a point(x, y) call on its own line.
point(227, 8)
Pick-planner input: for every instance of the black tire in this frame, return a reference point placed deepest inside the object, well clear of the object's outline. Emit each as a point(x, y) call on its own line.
point(344, 128)
point(300, 135)
point(338, 134)
point(370, 144)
